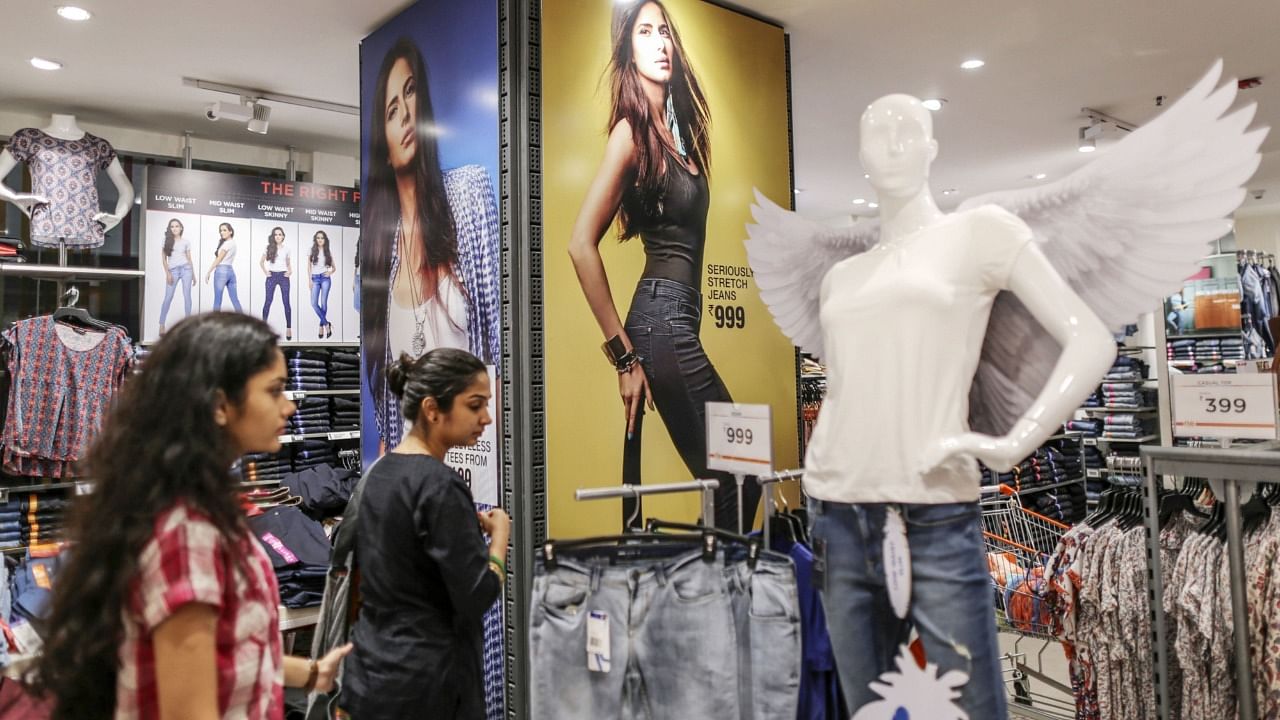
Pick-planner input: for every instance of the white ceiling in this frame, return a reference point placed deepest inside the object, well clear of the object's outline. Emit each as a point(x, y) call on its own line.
point(1017, 116)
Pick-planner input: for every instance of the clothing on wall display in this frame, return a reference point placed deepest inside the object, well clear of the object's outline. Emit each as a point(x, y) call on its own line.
point(64, 171)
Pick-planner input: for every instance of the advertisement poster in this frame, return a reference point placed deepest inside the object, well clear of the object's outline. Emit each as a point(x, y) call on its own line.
point(644, 231)
point(217, 241)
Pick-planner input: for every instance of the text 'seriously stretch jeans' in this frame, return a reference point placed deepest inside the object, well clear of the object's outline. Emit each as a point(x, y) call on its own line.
point(224, 278)
point(663, 324)
point(278, 280)
point(676, 625)
point(183, 276)
point(320, 285)
point(951, 600)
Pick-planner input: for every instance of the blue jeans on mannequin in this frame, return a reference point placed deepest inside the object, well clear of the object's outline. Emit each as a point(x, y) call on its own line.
point(183, 276)
point(951, 600)
point(663, 324)
point(224, 278)
point(320, 285)
point(278, 280)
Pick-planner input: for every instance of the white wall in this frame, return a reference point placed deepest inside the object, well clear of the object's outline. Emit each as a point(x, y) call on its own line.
point(1258, 230)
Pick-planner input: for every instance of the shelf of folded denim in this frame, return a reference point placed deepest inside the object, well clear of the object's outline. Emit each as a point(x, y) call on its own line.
point(1139, 440)
point(299, 552)
point(1046, 488)
point(1068, 504)
point(1127, 410)
point(1223, 333)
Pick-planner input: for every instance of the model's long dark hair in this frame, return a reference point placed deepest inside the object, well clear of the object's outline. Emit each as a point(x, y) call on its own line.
point(221, 239)
point(380, 208)
point(272, 247)
point(628, 102)
point(316, 248)
point(159, 446)
point(170, 238)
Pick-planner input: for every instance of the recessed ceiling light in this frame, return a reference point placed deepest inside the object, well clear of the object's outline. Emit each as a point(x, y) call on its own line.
point(860, 201)
point(1037, 176)
point(866, 175)
point(873, 206)
point(934, 104)
point(43, 64)
point(973, 64)
point(71, 12)
point(950, 191)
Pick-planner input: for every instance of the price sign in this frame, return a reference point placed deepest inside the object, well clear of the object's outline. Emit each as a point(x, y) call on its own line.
point(1225, 406)
point(294, 394)
point(739, 438)
point(84, 487)
point(286, 439)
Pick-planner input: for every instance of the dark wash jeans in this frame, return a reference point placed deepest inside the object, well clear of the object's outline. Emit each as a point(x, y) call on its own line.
point(663, 325)
point(951, 598)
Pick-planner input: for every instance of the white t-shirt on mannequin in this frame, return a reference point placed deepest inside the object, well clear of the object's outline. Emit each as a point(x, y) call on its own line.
point(903, 327)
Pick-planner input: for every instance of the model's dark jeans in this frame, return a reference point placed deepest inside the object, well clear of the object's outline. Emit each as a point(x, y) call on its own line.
point(278, 280)
point(663, 325)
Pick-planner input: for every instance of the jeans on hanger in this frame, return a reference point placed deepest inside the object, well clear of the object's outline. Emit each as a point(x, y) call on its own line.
point(663, 324)
point(182, 275)
point(224, 278)
point(278, 280)
point(950, 598)
point(320, 285)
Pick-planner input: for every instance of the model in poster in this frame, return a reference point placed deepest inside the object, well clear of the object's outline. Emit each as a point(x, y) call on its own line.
point(320, 280)
point(175, 256)
point(277, 265)
point(654, 180)
point(222, 271)
point(432, 266)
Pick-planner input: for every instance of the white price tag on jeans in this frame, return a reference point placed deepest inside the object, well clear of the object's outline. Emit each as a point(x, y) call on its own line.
point(598, 642)
point(739, 438)
point(897, 562)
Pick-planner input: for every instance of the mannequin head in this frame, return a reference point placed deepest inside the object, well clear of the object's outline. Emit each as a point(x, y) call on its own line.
point(897, 145)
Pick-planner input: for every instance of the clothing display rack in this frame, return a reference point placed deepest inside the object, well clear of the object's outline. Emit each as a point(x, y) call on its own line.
point(1232, 467)
point(765, 495)
point(706, 487)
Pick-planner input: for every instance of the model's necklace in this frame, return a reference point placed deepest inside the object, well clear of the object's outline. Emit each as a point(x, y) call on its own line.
point(418, 344)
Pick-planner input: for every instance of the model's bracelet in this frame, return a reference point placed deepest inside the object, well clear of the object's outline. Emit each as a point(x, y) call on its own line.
point(313, 673)
point(495, 560)
point(626, 362)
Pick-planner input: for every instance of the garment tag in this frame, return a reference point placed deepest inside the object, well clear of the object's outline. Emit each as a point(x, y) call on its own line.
point(279, 547)
point(598, 642)
point(897, 562)
point(42, 577)
point(28, 641)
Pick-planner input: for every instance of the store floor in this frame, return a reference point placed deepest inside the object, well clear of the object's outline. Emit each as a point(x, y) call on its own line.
point(1040, 699)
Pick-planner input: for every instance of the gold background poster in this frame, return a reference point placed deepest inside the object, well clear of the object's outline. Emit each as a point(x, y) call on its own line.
point(741, 66)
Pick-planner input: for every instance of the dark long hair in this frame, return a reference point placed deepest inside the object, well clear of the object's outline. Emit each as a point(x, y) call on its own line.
point(380, 207)
point(628, 102)
point(272, 247)
point(221, 239)
point(170, 238)
point(159, 446)
point(315, 249)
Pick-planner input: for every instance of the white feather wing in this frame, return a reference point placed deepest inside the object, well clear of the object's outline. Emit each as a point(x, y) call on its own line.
point(1124, 232)
point(789, 256)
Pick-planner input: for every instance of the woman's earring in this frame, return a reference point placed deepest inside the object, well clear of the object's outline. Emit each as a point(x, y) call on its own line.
point(674, 125)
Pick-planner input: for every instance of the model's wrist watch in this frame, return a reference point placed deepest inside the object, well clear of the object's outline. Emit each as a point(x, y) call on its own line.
point(618, 354)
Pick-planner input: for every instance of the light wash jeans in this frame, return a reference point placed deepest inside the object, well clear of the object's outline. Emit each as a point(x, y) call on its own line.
point(224, 278)
point(183, 276)
point(320, 285)
point(951, 598)
point(676, 626)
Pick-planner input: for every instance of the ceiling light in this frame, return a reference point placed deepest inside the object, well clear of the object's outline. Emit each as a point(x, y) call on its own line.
point(973, 64)
point(934, 104)
point(866, 175)
point(873, 206)
point(71, 12)
point(1037, 176)
point(859, 201)
point(1086, 144)
point(43, 64)
point(261, 118)
point(950, 191)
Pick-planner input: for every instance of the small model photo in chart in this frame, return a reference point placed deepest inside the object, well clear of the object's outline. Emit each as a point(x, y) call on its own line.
point(320, 286)
point(172, 271)
point(277, 273)
point(222, 266)
point(347, 304)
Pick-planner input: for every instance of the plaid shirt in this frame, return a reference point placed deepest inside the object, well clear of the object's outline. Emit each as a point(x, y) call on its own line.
point(187, 561)
point(59, 392)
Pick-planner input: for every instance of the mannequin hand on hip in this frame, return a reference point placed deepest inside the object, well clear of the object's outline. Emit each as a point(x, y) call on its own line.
point(998, 453)
point(108, 220)
point(26, 201)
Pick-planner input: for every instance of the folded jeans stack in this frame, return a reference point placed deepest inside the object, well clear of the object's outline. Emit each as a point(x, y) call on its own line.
point(345, 413)
point(299, 552)
point(323, 488)
point(344, 370)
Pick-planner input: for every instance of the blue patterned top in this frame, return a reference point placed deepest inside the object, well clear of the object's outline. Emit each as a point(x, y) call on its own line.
point(65, 171)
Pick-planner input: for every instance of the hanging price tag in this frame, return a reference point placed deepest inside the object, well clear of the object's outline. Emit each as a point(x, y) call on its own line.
point(1225, 406)
point(739, 438)
point(84, 487)
point(897, 562)
point(598, 642)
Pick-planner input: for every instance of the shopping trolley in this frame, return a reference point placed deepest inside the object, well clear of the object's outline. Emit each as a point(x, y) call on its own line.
point(1018, 543)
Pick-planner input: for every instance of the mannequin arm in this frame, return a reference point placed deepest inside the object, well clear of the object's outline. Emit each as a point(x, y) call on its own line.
point(124, 203)
point(24, 201)
point(1087, 351)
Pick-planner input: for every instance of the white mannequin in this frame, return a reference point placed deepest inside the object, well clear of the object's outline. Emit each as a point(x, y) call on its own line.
point(64, 127)
point(897, 150)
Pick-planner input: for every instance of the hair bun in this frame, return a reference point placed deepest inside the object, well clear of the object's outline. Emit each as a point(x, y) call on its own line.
point(398, 374)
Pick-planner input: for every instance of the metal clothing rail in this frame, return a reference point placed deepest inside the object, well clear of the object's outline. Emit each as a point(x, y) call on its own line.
point(765, 496)
point(706, 487)
point(1233, 467)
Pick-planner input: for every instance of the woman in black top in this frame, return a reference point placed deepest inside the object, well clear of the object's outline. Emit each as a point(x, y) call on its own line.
point(654, 180)
point(426, 577)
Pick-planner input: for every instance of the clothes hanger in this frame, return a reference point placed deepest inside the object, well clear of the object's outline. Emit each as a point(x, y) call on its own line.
point(552, 548)
point(71, 314)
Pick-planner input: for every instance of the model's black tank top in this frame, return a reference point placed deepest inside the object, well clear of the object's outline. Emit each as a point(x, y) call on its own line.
point(674, 238)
